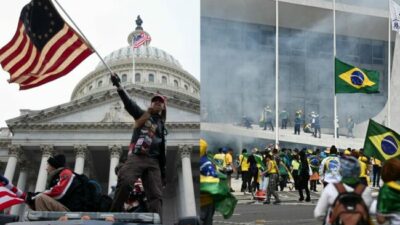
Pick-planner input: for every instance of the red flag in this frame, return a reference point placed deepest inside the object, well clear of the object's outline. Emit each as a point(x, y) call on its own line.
point(8, 198)
point(43, 48)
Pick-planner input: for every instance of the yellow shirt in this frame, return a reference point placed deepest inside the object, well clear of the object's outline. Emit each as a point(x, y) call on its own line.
point(272, 168)
point(243, 163)
point(228, 159)
point(363, 169)
point(220, 157)
point(376, 162)
point(295, 165)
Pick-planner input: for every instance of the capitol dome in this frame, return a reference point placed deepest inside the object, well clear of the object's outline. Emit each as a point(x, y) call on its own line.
point(154, 69)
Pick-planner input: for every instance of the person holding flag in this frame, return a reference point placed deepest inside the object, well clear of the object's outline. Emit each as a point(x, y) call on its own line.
point(388, 206)
point(214, 190)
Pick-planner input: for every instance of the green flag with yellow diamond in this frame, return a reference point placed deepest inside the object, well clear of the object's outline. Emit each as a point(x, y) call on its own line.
point(350, 79)
point(381, 142)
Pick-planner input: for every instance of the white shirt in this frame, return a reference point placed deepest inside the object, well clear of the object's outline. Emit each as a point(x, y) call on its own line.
point(329, 195)
point(331, 173)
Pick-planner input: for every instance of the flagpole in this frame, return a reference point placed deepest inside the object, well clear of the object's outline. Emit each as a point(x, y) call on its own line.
point(277, 73)
point(83, 35)
point(389, 62)
point(334, 86)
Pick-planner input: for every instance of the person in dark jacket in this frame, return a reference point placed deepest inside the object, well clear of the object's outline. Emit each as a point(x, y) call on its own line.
point(304, 176)
point(146, 155)
point(60, 193)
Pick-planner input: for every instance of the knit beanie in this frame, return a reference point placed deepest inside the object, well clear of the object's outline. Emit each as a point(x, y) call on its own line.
point(57, 161)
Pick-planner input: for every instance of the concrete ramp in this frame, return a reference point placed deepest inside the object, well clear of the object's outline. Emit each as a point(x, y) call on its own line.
point(285, 135)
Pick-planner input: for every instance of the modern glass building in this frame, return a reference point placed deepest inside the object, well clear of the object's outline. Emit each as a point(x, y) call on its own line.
point(238, 59)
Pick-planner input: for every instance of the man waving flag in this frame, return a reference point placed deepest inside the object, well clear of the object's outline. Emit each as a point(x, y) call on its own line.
point(43, 48)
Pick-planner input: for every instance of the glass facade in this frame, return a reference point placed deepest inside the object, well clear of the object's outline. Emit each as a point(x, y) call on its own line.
point(238, 72)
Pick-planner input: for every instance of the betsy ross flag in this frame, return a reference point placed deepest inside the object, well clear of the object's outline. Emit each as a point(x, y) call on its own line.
point(350, 79)
point(140, 39)
point(381, 142)
point(43, 48)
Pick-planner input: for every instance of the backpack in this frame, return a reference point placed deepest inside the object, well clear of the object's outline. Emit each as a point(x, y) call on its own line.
point(91, 199)
point(349, 208)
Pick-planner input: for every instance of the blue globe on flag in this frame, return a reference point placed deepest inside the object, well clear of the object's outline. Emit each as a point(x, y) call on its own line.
point(389, 145)
point(357, 78)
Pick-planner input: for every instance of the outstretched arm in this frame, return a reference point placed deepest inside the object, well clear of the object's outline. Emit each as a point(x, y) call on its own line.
point(133, 109)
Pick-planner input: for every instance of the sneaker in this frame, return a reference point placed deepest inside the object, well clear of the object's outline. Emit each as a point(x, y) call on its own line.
point(277, 202)
point(308, 199)
point(301, 199)
point(266, 202)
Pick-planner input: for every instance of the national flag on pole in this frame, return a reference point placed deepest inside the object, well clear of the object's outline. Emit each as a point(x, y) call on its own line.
point(350, 79)
point(381, 142)
point(140, 39)
point(395, 15)
point(8, 198)
point(43, 48)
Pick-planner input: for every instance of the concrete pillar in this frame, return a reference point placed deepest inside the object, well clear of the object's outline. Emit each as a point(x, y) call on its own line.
point(115, 154)
point(187, 178)
point(80, 155)
point(180, 194)
point(47, 151)
point(14, 152)
point(21, 184)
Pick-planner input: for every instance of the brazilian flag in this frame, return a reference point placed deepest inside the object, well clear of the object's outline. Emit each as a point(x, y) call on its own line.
point(381, 142)
point(350, 79)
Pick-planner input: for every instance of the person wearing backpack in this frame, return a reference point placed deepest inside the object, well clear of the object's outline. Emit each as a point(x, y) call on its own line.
point(146, 155)
point(388, 206)
point(329, 168)
point(62, 189)
point(337, 199)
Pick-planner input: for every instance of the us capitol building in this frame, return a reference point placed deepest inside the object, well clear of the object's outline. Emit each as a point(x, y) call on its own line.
point(93, 130)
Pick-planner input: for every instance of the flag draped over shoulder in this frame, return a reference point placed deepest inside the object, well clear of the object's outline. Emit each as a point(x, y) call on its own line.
point(381, 142)
point(215, 186)
point(388, 198)
point(43, 48)
point(350, 79)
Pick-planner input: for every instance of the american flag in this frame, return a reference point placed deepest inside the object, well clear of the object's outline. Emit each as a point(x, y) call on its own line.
point(43, 48)
point(10, 195)
point(140, 39)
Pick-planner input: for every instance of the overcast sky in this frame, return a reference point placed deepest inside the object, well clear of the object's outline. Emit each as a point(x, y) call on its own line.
point(174, 26)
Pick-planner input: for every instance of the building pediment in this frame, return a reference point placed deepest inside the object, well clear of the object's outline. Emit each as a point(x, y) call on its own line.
point(106, 107)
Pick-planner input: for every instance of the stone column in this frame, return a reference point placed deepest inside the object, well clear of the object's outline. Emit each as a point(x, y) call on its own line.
point(47, 151)
point(80, 155)
point(187, 178)
point(115, 153)
point(14, 152)
point(21, 184)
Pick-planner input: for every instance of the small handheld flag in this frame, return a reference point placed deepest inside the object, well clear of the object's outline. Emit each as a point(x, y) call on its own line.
point(43, 48)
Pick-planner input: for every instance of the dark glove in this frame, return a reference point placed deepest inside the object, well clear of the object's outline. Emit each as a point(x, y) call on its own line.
point(115, 80)
point(4, 180)
point(29, 201)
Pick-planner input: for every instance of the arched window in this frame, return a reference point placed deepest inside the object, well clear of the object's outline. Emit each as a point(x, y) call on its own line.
point(124, 77)
point(137, 77)
point(186, 87)
point(90, 87)
point(176, 83)
point(164, 80)
point(99, 83)
point(151, 78)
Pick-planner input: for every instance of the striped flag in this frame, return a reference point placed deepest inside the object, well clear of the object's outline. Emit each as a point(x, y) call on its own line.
point(140, 39)
point(43, 48)
point(8, 198)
